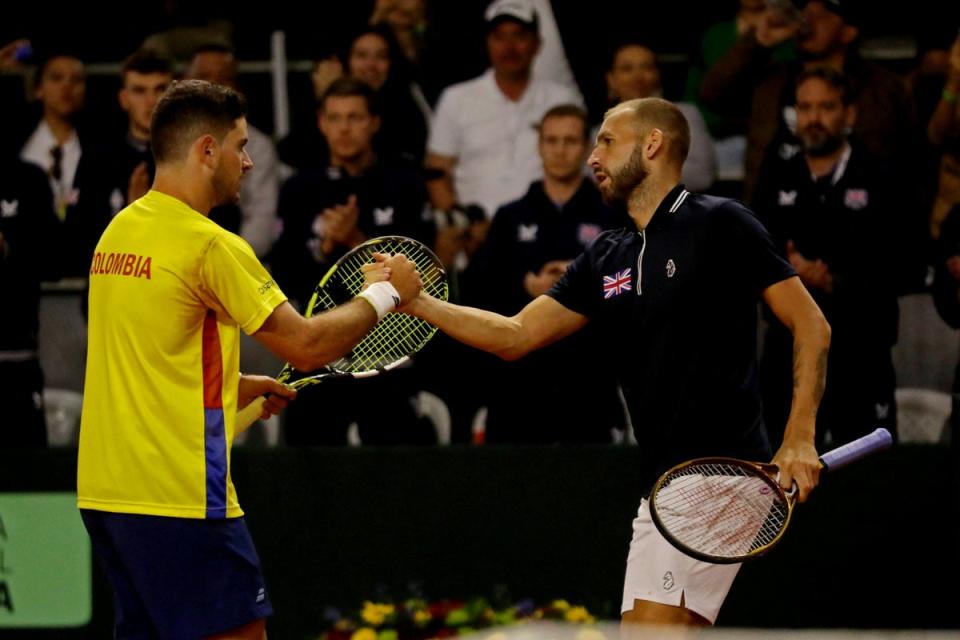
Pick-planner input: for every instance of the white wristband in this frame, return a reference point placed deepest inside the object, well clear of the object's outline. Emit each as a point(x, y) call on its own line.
point(382, 296)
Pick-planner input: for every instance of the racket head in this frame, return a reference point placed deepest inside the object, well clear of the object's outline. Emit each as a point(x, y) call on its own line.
point(397, 336)
point(720, 510)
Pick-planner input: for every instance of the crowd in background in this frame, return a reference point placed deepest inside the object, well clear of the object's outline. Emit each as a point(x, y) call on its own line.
point(852, 165)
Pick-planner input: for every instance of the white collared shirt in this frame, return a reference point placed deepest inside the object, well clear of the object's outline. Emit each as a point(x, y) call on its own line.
point(37, 150)
point(493, 138)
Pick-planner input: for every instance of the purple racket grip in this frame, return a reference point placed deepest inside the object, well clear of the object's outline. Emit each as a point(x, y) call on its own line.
point(859, 448)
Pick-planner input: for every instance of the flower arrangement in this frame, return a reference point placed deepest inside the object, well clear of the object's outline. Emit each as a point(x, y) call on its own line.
point(418, 619)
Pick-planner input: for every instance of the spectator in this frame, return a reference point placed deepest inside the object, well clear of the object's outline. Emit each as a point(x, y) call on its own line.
point(827, 35)
point(29, 241)
point(374, 57)
point(256, 219)
point(483, 139)
point(55, 145)
point(633, 73)
point(831, 209)
point(944, 132)
point(326, 212)
point(540, 399)
point(729, 132)
point(145, 75)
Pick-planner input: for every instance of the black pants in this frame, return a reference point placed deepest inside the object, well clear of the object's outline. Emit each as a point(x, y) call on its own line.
point(21, 395)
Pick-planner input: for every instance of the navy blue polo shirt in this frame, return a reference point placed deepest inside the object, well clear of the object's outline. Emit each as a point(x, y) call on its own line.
point(677, 303)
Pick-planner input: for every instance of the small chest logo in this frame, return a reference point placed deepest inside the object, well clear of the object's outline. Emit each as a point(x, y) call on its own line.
point(383, 216)
point(671, 268)
point(856, 199)
point(787, 198)
point(616, 284)
point(8, 208)
point(587, 232)
point(527, 232)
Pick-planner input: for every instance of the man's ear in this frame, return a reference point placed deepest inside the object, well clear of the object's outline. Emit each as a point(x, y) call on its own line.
point(206, 148)
point(653, 144)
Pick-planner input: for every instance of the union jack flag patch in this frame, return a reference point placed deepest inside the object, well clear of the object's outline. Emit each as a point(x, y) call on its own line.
point(616, 284)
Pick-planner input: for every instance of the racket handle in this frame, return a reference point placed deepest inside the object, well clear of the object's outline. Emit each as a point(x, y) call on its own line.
point(853, 451)
point(249, 414)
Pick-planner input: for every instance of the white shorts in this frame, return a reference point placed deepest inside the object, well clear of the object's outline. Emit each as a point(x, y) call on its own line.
point(657, 571)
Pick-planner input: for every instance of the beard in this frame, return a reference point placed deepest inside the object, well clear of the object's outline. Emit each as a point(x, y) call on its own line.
point(623, 182)
point(819, 141)
point(226, 190)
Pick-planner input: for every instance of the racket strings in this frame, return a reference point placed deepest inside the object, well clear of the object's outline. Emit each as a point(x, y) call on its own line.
point(397, 335)
point(721, 510)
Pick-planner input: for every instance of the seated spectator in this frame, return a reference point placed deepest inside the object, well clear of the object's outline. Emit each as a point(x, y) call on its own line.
point(62, 151)
point(831, 209)
point(325, 213)
point(256, 218)
point(634, 73)
point(30, 240)
point(944, 133)
point(825, 33)
point(374, 57)
point(483, 139)
point(541, 398)
point(145, 75)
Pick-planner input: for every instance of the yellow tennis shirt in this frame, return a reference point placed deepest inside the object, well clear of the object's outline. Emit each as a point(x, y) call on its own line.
point(170, 291)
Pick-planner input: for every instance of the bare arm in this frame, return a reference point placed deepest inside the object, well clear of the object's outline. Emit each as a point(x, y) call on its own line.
point(797, 457)
point(443, 195)
point(310, 343)
point(946, 117)
point(538, 324)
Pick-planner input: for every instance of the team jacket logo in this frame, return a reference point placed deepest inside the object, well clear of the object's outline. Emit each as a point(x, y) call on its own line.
point(671, 268)
point(587, 232)
point(616, 284)
point(527, 232)
point(121, 264)
point(382, 216)
point(856, 199)
point(8, 208)
point(787, 198)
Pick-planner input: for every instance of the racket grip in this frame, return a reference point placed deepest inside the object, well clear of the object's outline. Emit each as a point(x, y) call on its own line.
point(249, 414)
point(853, 451)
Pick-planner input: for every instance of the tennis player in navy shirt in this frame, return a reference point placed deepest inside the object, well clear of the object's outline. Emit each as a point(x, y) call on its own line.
point(677, 298)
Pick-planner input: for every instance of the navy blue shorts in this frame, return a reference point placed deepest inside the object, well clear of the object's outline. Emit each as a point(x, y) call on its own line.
point(178, 578)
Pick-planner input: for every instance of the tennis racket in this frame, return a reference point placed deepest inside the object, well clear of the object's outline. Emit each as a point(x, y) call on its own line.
point(725, 510)
point(390, 343)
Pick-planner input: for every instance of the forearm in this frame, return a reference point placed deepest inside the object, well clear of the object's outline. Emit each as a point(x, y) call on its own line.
point(811, 345)
point(310, 343)
point(484, 330)
point(944, 120)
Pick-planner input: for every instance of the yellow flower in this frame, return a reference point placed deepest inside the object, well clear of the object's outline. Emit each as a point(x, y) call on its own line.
point(374, 613)
point(364, 633)
point(421, 616)
point(578, 614)
point(561, 605)
point(590, 634)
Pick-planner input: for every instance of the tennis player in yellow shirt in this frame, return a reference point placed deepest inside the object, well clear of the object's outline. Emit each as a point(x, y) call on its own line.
point(170, 292)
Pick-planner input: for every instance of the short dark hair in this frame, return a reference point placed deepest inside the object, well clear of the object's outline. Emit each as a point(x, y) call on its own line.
point(45, 61)
point(189, 109)
point(146, 61)
point(212, 47)
point(346, 87)
point(568, 111)
point(833, 77)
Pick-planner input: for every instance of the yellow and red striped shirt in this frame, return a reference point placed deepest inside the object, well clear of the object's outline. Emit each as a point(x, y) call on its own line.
point(170, 291)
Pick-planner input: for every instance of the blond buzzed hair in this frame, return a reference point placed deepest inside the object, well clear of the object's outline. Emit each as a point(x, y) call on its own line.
point(657, 113)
